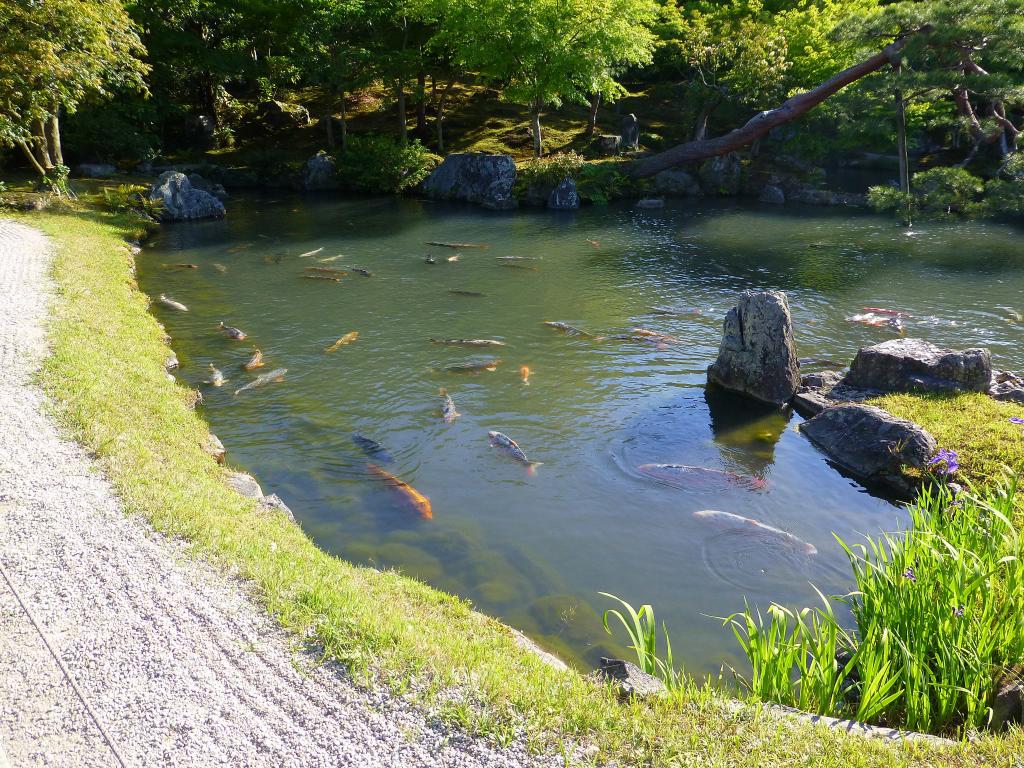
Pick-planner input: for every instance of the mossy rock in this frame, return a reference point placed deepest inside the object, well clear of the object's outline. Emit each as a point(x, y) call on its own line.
point(500, 592)
point(410, 560)
point(568, 617)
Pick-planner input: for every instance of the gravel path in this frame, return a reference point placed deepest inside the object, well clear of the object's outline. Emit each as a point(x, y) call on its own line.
point(176, 660)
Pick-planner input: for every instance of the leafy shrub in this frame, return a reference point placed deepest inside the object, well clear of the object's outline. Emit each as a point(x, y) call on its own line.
point(131, 197)
point(547, 172)
point(886, 199)
point(601, 182)
point(381, 164)
point(939, 614)
point(948, 191)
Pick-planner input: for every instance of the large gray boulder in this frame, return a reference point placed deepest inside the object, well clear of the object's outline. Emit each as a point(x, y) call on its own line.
point(914, 365)
point(676, 183)
point(319, 173)
point(722, 175)
point(95, 170)
point(564, 197)
point(757, 356)
point(181, 202)
point(630, 132)
point(1007, 386)
point(280, 116)
point(869, 442)
point(474, 178)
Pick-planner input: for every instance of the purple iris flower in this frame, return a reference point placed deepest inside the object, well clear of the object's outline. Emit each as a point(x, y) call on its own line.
point(958, 612)
point(909, 574)
point(947, 457)
point(1017, 420)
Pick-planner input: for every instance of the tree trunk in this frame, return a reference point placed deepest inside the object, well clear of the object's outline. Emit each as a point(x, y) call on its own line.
point(538, 144)
point(32, 158)
point(344, 123)
point(421, 105)
point(763, 122)
point(442, 100)
point(700, 128)
point(595, 104)
point(329, 121)
point(901, 141)
point(403, 129)
point(56, 152)
point(39, 145)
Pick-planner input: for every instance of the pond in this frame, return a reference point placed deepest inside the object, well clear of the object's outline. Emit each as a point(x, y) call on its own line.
point(534, 547)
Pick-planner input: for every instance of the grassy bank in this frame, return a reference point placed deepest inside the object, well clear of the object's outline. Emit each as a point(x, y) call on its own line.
point(106, 375)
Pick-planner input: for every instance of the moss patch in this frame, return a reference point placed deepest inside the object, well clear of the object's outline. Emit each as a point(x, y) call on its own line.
point(106, 377)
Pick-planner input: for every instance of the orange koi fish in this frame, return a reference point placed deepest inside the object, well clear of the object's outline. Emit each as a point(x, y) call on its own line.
point(409, 495)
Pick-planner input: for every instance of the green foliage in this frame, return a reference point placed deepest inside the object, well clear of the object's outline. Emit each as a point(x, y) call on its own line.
point(132, 198)
point(547, 171)
point(954, 191)
point(642, 629)
point(381, 164)
point(939, 615)
point(600, 183)
point(54, 54)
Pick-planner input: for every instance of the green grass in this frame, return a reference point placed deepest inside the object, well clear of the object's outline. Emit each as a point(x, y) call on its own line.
point(974, 425)
point(105, 374)
point(939, 614)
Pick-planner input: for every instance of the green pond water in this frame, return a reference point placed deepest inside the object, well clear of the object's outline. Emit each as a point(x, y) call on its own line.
point(535, 549)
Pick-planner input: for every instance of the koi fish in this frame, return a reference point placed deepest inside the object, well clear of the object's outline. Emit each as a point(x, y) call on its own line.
point(429, 260)
point(220, 268)
point(331, 278)
point(419, 503)
point(518, 258)
point(458, 246)
point(363, 272)
point(877, 321)
point(738, 521)
point(348, 338)
point(372, 448)
point(330, 259)
point(892, 312)
point(448, 407)
point(310, 253)
point(477, 366)
point(511, 448)
point(238, 248)
point(663, 338)
point(275, 375)
point(254, 362)
point(473, 294)
point(172, 304)
point(673, 312)
point(180, 266)
point(216, 377)
point(595, 243)
point(469, 342)
point(327, 271)
point(515, 265)
point(524, 372)
point(455, 258)
point(233, 333)
point(686, 476)
point(570, 330)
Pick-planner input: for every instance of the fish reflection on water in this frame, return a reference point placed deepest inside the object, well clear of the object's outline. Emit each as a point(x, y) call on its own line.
point(689, 477)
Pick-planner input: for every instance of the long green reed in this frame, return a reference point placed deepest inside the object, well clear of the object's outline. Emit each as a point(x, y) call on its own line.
point(938, 614)
point(642, 629)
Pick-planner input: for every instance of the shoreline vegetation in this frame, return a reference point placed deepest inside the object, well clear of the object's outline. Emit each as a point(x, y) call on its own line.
point(106, 377)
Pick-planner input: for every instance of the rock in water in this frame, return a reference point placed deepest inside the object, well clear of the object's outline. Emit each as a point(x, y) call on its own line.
point(319, 173)
point(181, 202)
point(757, 357)
point(564, 197)
point(772, 194)
point(474, 178)
point(677, 183)
point(630, 132)
point(722, 175)
point(913, 365)
point(869, 442)
point(629, 679)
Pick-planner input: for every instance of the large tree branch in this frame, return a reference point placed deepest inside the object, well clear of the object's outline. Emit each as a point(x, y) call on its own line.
point(763, 122)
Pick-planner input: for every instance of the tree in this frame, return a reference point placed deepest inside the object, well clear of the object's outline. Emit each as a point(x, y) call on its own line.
point(965, 52)
point(544, 52)
point(53, 55)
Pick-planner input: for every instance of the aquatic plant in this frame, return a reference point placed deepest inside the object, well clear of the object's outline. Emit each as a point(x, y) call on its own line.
point(131, 198)
point(938, 614)
point(642, 629)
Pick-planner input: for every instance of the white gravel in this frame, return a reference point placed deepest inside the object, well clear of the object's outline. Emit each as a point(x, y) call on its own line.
point(177, 661)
